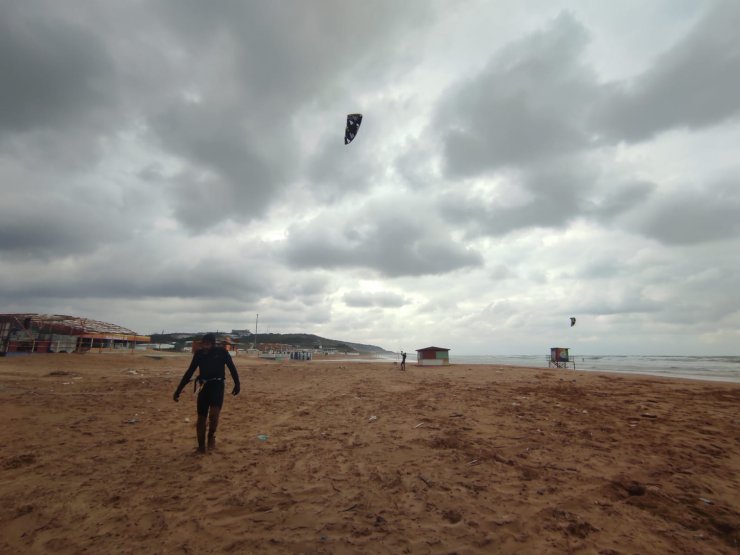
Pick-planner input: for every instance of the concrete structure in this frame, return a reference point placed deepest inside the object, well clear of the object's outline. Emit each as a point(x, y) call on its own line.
point(433, 356)
point(54, 333)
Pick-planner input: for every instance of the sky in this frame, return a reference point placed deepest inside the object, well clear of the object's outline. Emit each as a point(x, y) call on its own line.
point(180, 166)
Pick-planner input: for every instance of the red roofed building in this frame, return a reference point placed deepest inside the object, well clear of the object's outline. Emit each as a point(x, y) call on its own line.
point(433, 356)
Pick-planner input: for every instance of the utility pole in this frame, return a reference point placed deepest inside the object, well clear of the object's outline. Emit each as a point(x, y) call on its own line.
point(255, 332)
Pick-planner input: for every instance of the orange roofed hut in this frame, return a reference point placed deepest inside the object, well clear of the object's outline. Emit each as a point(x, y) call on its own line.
point(433, 356)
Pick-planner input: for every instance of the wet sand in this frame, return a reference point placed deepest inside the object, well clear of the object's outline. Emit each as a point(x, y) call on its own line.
point(362, 458)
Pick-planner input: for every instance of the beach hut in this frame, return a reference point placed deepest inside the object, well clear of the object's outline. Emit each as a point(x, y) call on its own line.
point(559, 358)
point(433, 356)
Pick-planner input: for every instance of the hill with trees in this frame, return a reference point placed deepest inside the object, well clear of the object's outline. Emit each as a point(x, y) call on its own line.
point(298, 340)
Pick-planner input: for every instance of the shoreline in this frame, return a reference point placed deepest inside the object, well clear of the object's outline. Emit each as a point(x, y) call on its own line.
point(701, 376)
point(647, 373)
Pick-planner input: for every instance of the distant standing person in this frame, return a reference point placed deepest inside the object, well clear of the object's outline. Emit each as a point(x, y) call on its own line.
point(403, 360)
point(212, 361)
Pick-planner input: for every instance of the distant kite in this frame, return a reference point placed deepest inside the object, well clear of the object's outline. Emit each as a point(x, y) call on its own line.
point(353, 126)
point(572, 321)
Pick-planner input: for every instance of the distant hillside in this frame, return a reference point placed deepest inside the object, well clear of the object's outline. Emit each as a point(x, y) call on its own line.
point(300, 340)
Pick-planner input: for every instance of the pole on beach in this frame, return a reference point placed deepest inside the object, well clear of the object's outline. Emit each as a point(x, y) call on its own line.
point(256, 321)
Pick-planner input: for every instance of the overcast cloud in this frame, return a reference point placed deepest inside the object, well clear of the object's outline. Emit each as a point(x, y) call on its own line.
point(180, 166)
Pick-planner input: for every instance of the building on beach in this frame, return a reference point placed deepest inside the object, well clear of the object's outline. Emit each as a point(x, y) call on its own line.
point(433, 356)
point(559, 358)
point(54, 333)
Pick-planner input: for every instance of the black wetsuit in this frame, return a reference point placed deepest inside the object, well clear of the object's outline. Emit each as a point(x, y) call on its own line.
point(212, 364)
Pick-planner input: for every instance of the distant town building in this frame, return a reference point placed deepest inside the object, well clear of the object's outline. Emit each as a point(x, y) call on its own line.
point(225, 342)
point(432, 356)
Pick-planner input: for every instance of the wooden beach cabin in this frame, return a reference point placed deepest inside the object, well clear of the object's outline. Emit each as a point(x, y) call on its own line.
point(559, 358)
point(433, 356)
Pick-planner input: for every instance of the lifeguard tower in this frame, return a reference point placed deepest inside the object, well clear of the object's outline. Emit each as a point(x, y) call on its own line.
point(559, 358)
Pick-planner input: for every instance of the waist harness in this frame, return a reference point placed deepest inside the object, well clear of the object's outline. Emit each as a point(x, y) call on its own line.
point(199, 382)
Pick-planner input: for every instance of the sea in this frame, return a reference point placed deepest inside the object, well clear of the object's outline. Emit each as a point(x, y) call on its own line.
point(715, 368)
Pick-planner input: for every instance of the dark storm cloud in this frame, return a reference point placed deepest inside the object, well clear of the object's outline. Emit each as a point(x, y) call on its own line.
point(285, 53)
point(535, 106)
point(129, 274)
point(617, 198)
point(225, 177)
point(526, 105)
point(54, 72)
point(711, 213)
point(304, 288)
point(695, 84)
point(266, 61)
point(45, 216)
point(536, 100)
point(49, 229)
point(382, 240)
point(60, 92)
point(217, 86)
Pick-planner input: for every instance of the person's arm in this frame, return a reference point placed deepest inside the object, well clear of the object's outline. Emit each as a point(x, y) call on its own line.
point(234, 374)
point(186, 377)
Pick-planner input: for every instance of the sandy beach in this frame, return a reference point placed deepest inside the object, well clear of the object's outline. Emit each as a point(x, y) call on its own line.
point(362, 458)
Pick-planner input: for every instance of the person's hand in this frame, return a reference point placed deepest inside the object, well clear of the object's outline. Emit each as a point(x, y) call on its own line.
point(176, 397)
point(236, 389)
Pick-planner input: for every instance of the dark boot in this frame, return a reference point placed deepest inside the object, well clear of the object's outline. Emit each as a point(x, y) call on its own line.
point(200, 428)
point(212, 426)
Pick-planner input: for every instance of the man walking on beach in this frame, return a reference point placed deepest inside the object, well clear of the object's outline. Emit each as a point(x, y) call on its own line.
point(212, 361)
point(403, 360)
